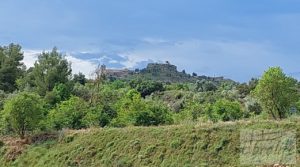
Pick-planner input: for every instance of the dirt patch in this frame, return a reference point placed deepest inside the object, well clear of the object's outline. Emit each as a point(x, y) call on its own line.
point(15, 146)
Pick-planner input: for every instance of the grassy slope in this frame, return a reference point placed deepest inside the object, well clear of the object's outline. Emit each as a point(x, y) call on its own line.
point(182, 145)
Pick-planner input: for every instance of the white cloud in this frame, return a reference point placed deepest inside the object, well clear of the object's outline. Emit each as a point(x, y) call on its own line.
point(87, 67)
point(78, 65)
point(30, 56)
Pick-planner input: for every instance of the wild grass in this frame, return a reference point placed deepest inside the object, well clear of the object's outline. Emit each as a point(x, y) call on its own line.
point(193, 144)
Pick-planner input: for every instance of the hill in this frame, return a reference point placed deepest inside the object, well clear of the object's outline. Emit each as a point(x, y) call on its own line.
point(178, 145)
point(164, 72)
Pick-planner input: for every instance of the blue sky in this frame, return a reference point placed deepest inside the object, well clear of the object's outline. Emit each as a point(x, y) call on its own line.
point(232, 38)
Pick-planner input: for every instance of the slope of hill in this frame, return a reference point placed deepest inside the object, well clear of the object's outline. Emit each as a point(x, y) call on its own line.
point(178, 145)
point(162, 72)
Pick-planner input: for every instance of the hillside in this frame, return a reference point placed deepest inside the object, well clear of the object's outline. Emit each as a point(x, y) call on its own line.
point(178, 145)
point(164, 72)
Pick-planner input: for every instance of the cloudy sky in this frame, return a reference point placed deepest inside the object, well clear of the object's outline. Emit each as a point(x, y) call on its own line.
point(232, 38)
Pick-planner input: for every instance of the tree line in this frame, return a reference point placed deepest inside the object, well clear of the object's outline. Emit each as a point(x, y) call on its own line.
point(48, 97)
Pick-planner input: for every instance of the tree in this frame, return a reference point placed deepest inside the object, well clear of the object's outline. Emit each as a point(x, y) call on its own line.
point(146, 88)
point(50, 69)
point(154, 114)
point(204, 86)
point(3, 97)
point(253, 83)
point(26, 82)
point(60, 92)
point(224, 110)
point(130, 103)
point(69, 114)
point(11, 67)
point(100, 116)
point(79, 78)
point(243, 90)
point(276, 92)
point(24, 112)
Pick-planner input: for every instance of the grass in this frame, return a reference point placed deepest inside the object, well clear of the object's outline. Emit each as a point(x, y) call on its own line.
point(177, 145)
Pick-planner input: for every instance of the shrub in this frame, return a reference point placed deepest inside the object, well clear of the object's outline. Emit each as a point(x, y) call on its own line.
point(146, 88)
point(224, 110)
point(100, 116)
point(69, 114)
point(24, 112)
point(154, 114)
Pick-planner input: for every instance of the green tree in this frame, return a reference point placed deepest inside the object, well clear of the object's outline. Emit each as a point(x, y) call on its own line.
point(3, 97)
point(50, 69)
point(224, 110)
point(69, 114)
point(148, 87)
point(11, 67)
point(127, 107)
point(100, 116)
point(26, 82)
point(154, 114)
point(24, 112)
point(79, 78)
point(60, 92)
point(204, 86)
point(276, 92)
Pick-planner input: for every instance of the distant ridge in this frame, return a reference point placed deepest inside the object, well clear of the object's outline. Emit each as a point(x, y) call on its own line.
point(163, 72)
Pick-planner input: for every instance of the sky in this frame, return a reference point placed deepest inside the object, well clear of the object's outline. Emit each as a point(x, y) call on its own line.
point(231, 38)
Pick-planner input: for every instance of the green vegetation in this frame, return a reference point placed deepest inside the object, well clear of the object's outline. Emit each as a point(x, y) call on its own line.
point(11, 67)
point(23, 112)
point(182, 145)
point(47, 99)
point(277, 92)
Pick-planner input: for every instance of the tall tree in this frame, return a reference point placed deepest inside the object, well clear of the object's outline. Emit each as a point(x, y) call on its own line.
point(11, 67)
point(50, 69)
point(276, 92)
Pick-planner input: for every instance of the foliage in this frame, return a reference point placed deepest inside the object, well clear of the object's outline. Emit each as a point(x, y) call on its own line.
point(69, 114)
point(252, 106)
point(83, 91)
point(24, 112)
point(127, 106)
point(60, 92)
point(204, 86)
point(156, 95)
point(11, 67)
point(154, 114)
point(276, 92)
point(100, 116)
point(26, 82)
point(224, 110)
point(50, 69)
point(3, 97)
point(245, 89)
point(79, 78)
point(146, 88)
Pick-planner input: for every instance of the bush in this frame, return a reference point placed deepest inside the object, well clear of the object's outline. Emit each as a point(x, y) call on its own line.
point(154, 115)
point(69, 114)
point(100, 116)
point(24, 112)
point(224, 110)
point(146, 88)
